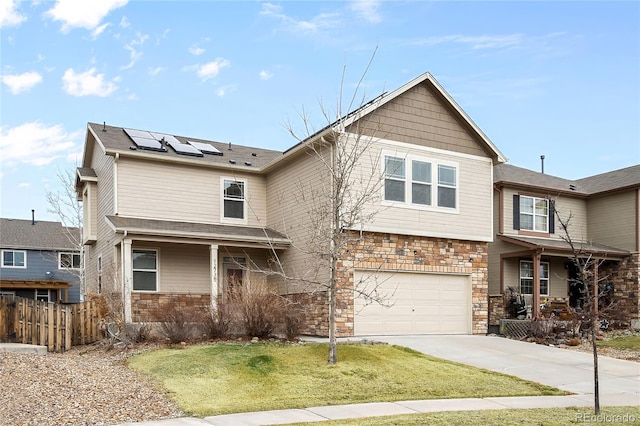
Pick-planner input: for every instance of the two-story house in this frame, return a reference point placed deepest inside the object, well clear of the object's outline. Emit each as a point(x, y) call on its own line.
point(531, 252)
point(184, 219)
point(39, 260)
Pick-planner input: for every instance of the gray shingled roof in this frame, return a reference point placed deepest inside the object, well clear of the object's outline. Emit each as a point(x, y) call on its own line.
point(114, 138)
point(43, 235)
point(615, 180)
point(201, 230)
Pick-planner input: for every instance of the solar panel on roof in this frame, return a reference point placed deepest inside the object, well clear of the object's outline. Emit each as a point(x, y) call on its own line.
point(167, 138)
point(144, 140)
point(207, 148)
point(184, 149)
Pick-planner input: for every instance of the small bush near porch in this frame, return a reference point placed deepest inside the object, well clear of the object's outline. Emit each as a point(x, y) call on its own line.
point(226, 378)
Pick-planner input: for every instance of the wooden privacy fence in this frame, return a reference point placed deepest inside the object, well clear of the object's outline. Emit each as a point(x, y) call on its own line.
point(58, 327)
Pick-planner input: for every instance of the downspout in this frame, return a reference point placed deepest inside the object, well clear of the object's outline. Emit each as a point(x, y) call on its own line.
point(115, 184)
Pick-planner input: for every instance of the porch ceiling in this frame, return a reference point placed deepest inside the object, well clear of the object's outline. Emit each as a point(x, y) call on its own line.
point(563, 248)
point(204, 231)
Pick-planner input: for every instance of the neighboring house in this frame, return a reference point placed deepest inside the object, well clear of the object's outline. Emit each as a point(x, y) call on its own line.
point(530, 252)
point(39, 260)
point(171, 218)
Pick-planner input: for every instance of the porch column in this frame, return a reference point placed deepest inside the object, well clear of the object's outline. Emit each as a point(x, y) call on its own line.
point(127, 278)
point(535, 313)
point(213, 259)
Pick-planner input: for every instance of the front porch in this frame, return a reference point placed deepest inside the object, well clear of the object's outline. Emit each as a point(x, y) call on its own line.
point(187, 265)
point(541, 275)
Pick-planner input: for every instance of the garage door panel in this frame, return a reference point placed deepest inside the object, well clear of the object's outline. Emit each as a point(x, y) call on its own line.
point(421, 304)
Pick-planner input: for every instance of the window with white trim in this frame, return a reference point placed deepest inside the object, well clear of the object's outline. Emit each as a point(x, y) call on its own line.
point(233, 199)
point(411, 180)
point(145, 270)
point(14, 259)
point(69, 260)
point(43, 295)
point(526, 277)
point(534, 214)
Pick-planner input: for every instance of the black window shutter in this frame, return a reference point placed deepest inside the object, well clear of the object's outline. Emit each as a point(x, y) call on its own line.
point(552, 217)
point(516, 211)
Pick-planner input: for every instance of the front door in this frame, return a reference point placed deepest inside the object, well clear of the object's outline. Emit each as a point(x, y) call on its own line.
point(576, 287)
point(234, 269)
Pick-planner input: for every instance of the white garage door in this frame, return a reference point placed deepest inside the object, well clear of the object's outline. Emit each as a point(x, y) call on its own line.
point(421, 304)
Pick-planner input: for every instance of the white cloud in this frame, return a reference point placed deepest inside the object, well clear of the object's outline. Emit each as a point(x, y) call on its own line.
point(82, 13)
point(317, 23)
point(124, 22)
point(22, 82)
point(133, 47)
point(197, 51)
point(155, 71)
point(265, 75)
point(224, 90)
point(221, 92)
point(476, 42)
point(87, 83)
point(367, 9)
point(36, 144)
point(9, 15)
point(24, 185)
point(99, 30)
point(209, 70)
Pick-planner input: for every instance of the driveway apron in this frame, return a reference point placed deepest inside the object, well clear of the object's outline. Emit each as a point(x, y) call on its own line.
point(561, 368)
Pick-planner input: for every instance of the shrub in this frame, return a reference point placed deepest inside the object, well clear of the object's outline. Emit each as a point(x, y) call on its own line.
point(177, 324)
point(293, 320)
point(217, 321)
point(260, 310)
point(137, 333)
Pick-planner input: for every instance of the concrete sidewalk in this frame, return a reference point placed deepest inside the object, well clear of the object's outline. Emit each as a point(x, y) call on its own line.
point(377, 409)
point(561, 368)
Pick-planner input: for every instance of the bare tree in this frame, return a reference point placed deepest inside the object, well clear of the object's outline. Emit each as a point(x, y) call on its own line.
point(339, 202)
point(587, 278)
point(65, 205)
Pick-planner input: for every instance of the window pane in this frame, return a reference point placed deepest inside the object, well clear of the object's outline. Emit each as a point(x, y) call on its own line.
point(76, 261)
point(234, 209)
point(18, 258)
point(541, 223)
point(64, 260)
point(526, 269)
point(526, 204)
point(143, 280)
point(541, 207)
point(421, 171)
point(234, 189)
point(446, 175)
point(421, 194)
point(393, 190)
point(144, 259)
point(544, 287)
point(544, 270)
point(446, 197)
point(7, 258)
point(526, 221)
point(394, 167)
point(526, 286)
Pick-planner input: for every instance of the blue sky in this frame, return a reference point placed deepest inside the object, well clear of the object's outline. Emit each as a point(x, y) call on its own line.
point(555, 78)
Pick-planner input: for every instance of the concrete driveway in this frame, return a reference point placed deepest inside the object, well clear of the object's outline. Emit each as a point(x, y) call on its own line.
point(561, 368)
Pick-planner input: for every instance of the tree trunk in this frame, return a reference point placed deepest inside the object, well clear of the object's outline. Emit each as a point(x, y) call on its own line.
point(596, 385)
point(333, 350)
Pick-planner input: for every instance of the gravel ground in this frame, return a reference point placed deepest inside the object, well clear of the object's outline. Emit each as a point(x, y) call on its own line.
point(85, 386)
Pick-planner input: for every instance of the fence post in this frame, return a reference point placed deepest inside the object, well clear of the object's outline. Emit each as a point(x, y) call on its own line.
point(51, 308)
point(67, 328)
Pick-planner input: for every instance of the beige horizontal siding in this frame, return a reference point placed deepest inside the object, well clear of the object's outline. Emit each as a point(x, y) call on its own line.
point(565, 206)
point(613, 220)
point(168, 191)
point(294, 191)
point(473, 220)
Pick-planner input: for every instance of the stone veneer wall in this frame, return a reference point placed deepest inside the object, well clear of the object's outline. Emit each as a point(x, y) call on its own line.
point(392, 252)
point(144, 305)
point(497, 305)
point(316, 312)
point(625, 277)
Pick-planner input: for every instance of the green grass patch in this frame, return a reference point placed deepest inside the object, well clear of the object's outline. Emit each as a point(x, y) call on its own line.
point(542, 416)
point(227, 378)
point(622, 342)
